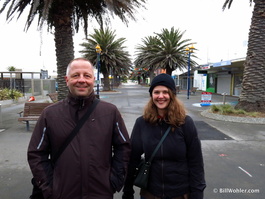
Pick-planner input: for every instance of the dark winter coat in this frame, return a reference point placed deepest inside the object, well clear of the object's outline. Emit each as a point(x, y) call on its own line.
point(94, 164)
point(177, 167)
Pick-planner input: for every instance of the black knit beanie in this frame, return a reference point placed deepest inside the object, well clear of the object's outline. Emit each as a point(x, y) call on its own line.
point(163, 80)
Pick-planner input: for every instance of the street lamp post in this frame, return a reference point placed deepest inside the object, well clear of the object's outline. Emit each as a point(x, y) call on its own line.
point(189, 50)
point(98, 50)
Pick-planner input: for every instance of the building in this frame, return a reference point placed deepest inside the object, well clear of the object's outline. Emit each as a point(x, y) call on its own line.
point(220, 77)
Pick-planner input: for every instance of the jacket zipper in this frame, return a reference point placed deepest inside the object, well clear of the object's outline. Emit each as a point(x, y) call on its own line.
point(162, 165)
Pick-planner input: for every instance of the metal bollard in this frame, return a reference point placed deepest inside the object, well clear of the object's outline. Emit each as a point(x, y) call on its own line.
point(224, 97)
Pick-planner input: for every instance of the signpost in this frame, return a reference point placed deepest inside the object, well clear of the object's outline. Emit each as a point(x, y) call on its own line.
point(206, 98)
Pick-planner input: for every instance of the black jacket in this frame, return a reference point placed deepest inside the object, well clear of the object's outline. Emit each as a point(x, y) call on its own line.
point(177, 168)
point(94, 164)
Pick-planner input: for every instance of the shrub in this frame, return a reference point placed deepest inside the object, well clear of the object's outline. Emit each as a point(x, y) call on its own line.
point(215, 108)
point(6, 94)
point(15, 94)
point(227, 109)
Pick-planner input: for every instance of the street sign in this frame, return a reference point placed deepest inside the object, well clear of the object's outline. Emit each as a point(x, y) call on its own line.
point(206, 98)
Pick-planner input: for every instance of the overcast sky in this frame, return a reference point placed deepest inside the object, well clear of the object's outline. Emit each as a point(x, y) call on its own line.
point(219, 35)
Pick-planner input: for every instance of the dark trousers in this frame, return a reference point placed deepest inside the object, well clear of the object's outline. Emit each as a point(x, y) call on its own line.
point(147, 195)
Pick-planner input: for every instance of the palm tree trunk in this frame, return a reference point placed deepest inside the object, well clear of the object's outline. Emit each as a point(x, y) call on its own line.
point(106, 86)
point(64, 44)
point(169, 70)
point(144, 79)
point(152, 74)
point(252, 97)
point(139, 79)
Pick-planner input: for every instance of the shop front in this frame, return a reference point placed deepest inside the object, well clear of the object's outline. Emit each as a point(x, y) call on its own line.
point(223, 77)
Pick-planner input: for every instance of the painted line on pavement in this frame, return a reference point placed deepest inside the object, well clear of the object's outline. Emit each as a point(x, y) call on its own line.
point(245, 171)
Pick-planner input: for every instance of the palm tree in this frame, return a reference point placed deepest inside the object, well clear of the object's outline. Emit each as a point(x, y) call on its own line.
point(144, 55)
point(114, 59)
point(171, 50)
point(64, 16)
point(166, 50)
point(252, 97)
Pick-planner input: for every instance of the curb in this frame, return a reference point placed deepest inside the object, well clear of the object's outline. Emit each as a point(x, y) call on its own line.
point(227, 118)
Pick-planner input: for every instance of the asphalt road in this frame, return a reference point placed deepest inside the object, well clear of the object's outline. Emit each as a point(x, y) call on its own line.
point(234, 153)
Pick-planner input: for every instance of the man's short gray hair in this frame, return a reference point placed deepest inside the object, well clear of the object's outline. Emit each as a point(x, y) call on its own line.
point(76, 59)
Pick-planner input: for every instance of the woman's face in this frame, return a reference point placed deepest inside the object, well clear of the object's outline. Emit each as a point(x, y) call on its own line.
point(161, 99)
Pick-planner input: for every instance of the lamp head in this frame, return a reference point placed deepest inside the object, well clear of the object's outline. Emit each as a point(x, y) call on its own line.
point(98, 49)
point(192, 48)
point(187, 50)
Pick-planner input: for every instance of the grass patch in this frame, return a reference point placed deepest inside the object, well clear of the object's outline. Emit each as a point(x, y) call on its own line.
point(227, 109)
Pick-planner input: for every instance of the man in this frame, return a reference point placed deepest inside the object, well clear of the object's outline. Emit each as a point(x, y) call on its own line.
point(94, 164)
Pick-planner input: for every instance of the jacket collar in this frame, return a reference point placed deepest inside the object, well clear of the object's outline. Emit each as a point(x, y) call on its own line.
point(80, 101)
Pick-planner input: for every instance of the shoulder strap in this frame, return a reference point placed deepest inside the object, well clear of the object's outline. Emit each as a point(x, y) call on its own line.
point(159, 144)
point(75, 130)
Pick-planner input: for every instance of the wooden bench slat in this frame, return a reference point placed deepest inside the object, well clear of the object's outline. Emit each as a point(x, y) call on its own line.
point(21, 119)
point(32, 112)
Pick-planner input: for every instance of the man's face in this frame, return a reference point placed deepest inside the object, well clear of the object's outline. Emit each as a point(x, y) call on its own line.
point(80, 78)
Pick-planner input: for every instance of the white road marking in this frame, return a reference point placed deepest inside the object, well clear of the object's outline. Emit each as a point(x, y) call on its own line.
point(245, 171)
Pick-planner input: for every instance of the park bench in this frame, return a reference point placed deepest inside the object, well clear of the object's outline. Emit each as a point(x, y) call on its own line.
point(53, 97)
point(32, 112)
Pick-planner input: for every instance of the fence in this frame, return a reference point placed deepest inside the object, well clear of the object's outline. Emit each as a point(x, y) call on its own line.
point(30, 87)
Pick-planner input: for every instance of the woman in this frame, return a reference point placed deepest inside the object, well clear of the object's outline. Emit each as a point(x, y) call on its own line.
point(177, 169)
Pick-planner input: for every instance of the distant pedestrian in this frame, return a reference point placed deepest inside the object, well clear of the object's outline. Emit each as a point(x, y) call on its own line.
point(94, 164)
point(177, 170)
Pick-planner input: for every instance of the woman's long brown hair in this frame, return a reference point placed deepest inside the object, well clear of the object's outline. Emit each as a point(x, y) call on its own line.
point(175, 112)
